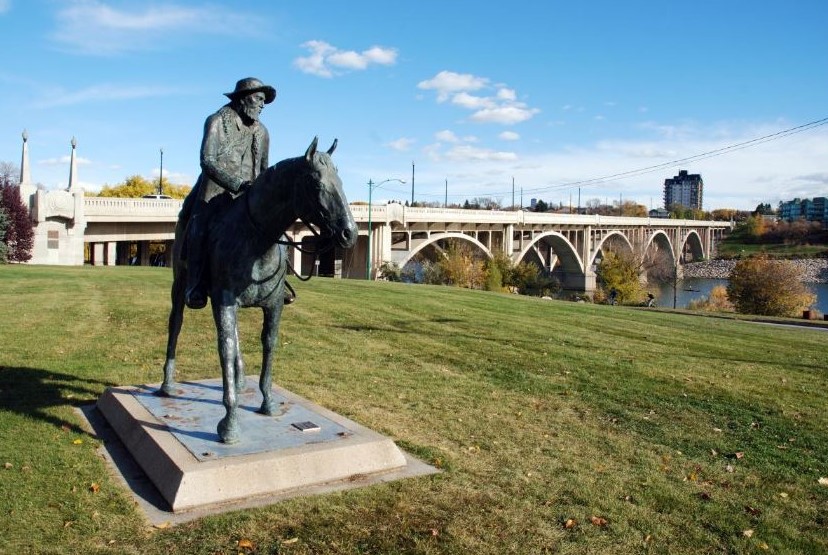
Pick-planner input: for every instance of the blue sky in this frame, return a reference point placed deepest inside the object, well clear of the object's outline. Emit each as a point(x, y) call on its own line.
point(551, 94)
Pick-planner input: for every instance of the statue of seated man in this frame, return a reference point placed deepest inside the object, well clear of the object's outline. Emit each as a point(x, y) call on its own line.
point(234, 151)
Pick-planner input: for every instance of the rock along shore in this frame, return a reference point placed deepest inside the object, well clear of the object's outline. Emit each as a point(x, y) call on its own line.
point(814, 270)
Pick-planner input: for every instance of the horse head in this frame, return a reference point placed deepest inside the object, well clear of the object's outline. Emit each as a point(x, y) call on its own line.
point(319, 198)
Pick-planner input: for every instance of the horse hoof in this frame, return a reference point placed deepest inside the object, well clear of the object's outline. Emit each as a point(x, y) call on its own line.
point(228, 433)
point(166, 390)
point(267, 408)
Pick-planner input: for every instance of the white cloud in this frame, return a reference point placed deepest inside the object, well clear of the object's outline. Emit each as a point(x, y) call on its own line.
point(102, 93)
point(472, 102)
point(506, 94)
point(509, 136)
point(324, 59)
point(777, 170)
point(64, 161)
point(448, 82)
point(506, 115)
point(446, 136)
point(501, 107)
point(402, 144)
point(467, 152)
point(94, 28)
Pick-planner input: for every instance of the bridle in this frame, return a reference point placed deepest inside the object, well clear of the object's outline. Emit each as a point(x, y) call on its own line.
point(316, 252)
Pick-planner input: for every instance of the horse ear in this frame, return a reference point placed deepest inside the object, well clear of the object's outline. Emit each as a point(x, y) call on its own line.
point(333, 147)
point(311, 150)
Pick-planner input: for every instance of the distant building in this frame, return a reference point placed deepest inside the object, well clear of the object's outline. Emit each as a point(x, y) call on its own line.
point(815, 210)
point(659, 213)
point(685, 189)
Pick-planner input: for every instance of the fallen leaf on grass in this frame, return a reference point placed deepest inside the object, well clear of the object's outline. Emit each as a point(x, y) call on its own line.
point(570, 523)
point(729, 468)
point(598, 521)
point(435, 532)
point(783, 495)
point(739, 455)
point(9, 466)
point(718, 430)
point(94, 488)
point(163, 525)
point(246, 544)
point(704, 496)
point(290, 541)
point(77, 442)
point(763, 546)
point(752, 511)
point(747, 533)
point(822, 481)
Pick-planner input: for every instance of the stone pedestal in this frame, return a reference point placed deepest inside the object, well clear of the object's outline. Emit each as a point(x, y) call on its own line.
point(174, 441)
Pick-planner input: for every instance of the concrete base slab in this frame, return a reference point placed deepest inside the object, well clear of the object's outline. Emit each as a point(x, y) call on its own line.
point(304, 449)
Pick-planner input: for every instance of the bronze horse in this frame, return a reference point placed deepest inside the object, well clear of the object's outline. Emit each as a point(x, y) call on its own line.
point(247, 263)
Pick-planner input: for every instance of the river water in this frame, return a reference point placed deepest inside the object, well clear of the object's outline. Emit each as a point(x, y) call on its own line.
point(694, 288)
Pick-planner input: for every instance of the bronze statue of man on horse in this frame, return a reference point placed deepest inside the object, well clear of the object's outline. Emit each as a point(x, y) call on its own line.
point(241, 209)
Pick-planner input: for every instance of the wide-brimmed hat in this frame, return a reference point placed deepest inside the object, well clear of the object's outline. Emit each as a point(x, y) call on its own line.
point(250, 85)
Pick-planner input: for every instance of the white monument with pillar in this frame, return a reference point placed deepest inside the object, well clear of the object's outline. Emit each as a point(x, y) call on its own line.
point(58, 216)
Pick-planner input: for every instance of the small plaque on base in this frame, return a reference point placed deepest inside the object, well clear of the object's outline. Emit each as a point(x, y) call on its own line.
point(306, 426)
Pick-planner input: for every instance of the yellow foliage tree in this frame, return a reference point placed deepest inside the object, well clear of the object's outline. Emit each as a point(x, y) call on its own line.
point(717, 301)
point(461, 267)
point(137, 186)
point(620, 270)
point(760, 285)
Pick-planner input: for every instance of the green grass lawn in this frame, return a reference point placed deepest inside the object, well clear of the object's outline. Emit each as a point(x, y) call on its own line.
point(678, 434)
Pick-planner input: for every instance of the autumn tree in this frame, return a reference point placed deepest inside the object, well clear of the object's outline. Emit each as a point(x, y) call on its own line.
point(633, 210)
point(620, 270)
point(753, 228)
point(717, 301)
point(19, 234)
point(760, 285)
point(662, 268)
point(137, 186)
point(461, 266)
point(4, 225)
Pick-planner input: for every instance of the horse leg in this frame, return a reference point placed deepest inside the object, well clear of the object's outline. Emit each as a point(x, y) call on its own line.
point(225, 317)
point(176, 319)
point(270, 334)
point(241, 380)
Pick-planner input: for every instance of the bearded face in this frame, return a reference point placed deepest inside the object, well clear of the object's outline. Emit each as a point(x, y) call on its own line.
point(251, 106)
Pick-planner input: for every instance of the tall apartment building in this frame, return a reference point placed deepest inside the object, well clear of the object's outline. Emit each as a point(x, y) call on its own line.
point(685, 189)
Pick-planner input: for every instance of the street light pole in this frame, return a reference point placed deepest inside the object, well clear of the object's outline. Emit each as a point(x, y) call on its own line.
point(371, 187)
point(161, 174)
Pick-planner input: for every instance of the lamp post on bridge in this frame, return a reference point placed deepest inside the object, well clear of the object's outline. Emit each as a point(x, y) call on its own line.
point(371, 187)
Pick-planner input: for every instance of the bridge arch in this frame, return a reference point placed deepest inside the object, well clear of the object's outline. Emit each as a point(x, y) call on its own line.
point(692, 241)
point(442, 237)
point(567, 255)
point(613, 237)
point(662, 243)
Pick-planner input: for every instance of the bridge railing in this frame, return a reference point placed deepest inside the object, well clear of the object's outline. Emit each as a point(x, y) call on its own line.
point(103, 207)
point(406, 214)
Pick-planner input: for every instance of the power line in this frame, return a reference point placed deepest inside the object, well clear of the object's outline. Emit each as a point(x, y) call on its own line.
point(650, 169)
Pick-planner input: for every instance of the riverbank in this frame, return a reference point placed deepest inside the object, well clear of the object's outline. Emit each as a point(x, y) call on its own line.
point(814, 270)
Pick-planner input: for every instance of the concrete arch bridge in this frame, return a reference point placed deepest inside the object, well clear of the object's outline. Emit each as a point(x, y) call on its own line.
point(73, 229)
point(568, 246)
